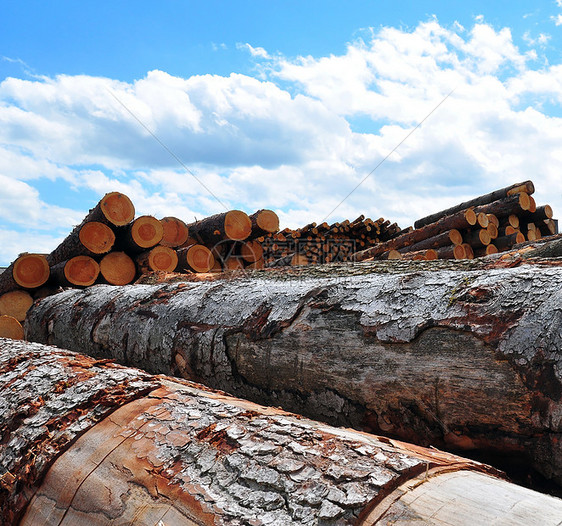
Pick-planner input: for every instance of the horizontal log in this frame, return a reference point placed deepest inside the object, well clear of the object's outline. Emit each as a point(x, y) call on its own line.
point(460, 220)
point(101, 443)
point(440, 240)
point(175, 232)
point(117, 268)
point(28, 271)
point(16, 304)
point(356, 346)
point(233, 225)
point(514, 204)
point(161, 258)
point(11, 328)
point(526, 187)
point(79, 271)
point(143, 233)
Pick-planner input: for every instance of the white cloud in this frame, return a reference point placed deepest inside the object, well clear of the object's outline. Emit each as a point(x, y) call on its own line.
point(297, 140)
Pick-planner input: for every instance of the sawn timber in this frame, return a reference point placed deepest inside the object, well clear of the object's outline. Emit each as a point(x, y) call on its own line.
point(454, 355)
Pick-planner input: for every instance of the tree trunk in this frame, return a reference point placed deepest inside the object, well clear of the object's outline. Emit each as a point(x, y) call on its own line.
point(160, 258)
point(264, 222)
point(514, 204)
point(233, 225)
point(451, 237)
point(427, 351)
point(92, 443)
point(79, 271)
point(143, 233)
point(526, 187)
point(196, 258)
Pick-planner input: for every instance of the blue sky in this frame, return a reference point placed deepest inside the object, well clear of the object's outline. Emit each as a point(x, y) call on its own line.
point(286, 105)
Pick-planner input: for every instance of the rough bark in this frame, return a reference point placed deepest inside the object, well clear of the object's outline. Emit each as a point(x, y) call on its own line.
point(526, 187)
point(514, 204)
point(427, 351)
point(104, 444)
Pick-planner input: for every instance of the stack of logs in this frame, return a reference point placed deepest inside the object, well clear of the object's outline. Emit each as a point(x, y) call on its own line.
point(324, 243)
point(485, 225)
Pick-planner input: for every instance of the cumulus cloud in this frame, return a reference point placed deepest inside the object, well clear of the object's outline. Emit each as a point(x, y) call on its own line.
point(297, 139)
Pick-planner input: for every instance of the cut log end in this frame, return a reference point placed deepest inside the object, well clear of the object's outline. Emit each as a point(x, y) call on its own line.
point(117, 208)
point(470, 216)
point(162, 258)
point(97, 237)
point(197, 258)
point(31, 271)
point(237, 225)
point(267, 220)
point(16, 304)
point(251, 251)
point(147, 231)
point(175, 232)
point(117, 268)
point(11, 328)
point(81, 271)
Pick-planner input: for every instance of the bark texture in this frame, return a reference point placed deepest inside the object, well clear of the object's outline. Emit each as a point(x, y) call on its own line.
point(438, 353)
point(146, 450)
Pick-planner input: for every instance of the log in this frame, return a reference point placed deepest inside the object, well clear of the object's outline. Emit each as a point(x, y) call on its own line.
point(251, 251)
point(485, 251)
point(158, 259)
point(233, 225)
point(492, 231)
point(117, 268)
point(514, 204)
point(93, 443)
point(468, 251)
point(10, 328)
point(28, 271)
point(175, 232)
point(451, 252)
point(460, 220)
point(196, 258)
point(290, 260)
point(144, 232)
point(91, 238)
point(506, 242)
point(264, 222)
point(16, 304)
point(541, 213)
point(525, 187)
point(440, 240)
point(79, 271)
point(369, 346)
point(477, 238)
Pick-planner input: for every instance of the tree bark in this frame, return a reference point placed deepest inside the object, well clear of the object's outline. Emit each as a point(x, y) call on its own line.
point(92, 443)
point(427, 351)
point(526, 187)
point(451, 237)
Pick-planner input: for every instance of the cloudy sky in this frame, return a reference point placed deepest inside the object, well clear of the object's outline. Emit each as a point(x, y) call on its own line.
point(193, 107)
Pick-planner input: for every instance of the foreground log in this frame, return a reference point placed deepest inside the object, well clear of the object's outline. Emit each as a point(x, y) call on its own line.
point(525, 187)
point(466, 359)
point(29, 271)
point(89, 443)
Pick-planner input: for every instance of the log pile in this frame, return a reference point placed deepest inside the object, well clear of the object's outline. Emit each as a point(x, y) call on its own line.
point(89, 442)
point(485, 225)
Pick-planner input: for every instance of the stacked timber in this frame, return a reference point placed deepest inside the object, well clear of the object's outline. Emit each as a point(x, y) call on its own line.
point(89, 442)
point(485, 225)
point(324, 243)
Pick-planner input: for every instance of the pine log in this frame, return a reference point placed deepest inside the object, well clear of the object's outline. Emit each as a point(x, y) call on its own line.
point(93, 443)
point(28, 271)
point(158, 259)
point(493, 219)
point(514, 204)
point(290, 260)
point(532, 205)
point(541, 213)
point(79, 271)
point(513, 220)
point(264, 222)
point(460, 220)
point(196, 258)
point(381, 350)
point(117, 268)
point(175, 232)
point(16, 304)
point(552, 225)
point(91, 238)
point(506, 242)
point(234, 225)
point(477, 238)
point(440, 240)
point(451, 252)
point(468, 251)
point(144, 232)
point(251, 251)
point(493, 231)
point(525, 187)
point(10, 328)
point(485, 251)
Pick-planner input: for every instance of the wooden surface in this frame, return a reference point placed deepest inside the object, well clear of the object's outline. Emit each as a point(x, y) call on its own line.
point(440, 354)
point(101, 444)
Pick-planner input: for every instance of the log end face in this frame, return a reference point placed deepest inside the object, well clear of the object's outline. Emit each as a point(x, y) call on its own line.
point(15, 303)
point(237, 225)
point(11, 328)
point(82, 271)
point(147, 231)
point(118, 268)
point(268, 221)
point(175, 232)
point(31, 270)
point(117, 208)
point(163, 258)
point(97, 237)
